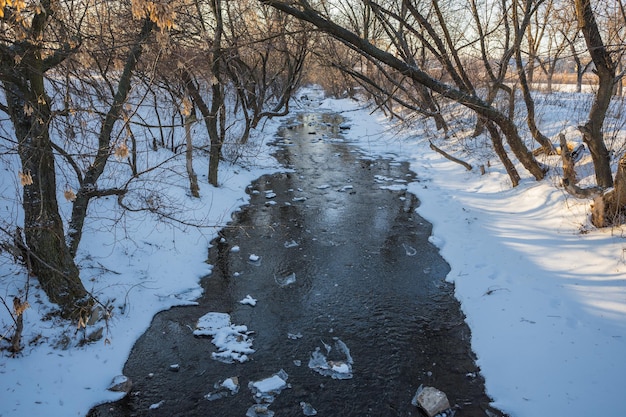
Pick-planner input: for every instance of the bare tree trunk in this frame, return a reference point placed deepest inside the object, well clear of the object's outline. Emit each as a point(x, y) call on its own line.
point(28, 106)
point(496, 140)
point(193, 178)
point(217, 99)
point(610, 208)
point(605, 68)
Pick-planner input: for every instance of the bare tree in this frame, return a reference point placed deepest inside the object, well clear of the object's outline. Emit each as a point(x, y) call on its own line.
point(41, 42)
point(462, 90)
point(28, 52)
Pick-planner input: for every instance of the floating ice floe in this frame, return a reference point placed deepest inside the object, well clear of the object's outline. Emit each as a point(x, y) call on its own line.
point(307, 409)
point(232, 341)
point(235, 249)
point(336, 368)
point(382, 178)
point(291, 244)
point(270, 194)
point(345, 188)
point(286, 280)
point(156, 405)
point(259, 410)
point(299, 199)
point(254, 259)
point(410, 250)
point(248, 300)
point(323, 186)
point(393, 187)
point(229, 386)
point(264, 393)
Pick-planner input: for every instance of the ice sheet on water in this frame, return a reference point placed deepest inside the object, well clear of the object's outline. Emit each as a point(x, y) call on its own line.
point(336, 368)
point(232, 341)
point(286, 280)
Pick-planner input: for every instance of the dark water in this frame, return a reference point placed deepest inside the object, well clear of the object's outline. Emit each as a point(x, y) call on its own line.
point(365, 274)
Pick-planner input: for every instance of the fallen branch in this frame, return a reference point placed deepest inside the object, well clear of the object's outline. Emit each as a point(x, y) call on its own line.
point(449, 157)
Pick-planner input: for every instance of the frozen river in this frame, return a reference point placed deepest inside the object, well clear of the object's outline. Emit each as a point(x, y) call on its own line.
point(326, 298)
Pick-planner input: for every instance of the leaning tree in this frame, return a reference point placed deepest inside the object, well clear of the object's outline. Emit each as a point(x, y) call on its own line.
point(40, 44)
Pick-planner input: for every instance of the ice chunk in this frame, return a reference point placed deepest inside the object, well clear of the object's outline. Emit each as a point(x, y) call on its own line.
point(336, 369)
point(431, 400)
point(299, 199)
point(307, 409)
point(270, 194)
point(229, 386)
point(157, 405)
point(410, 250)
point(291, 244)
point(286, 280)
point(254, 258)
point(232, 341)
point(265, 390)
point(235, 249)
point(394, 187)
point(248, 300)
point(211, 323)
point(259, 410)
point(272, 384)
point(323, 186)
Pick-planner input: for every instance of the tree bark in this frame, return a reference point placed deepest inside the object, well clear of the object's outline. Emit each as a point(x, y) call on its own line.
point(610, 208)
point(605, 68)
point(193, 178)
point(569, 174)
point(217, 99)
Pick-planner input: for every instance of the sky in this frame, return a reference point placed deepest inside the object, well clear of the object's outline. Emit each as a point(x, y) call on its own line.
point(544, 293)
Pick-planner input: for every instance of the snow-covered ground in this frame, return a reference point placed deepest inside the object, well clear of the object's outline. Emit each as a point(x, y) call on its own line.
point(544, 293)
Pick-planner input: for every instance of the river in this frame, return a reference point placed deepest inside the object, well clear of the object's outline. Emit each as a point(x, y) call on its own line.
point(346, 300)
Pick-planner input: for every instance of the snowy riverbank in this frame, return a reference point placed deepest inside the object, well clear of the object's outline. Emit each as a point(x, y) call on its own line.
point(544, 295)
